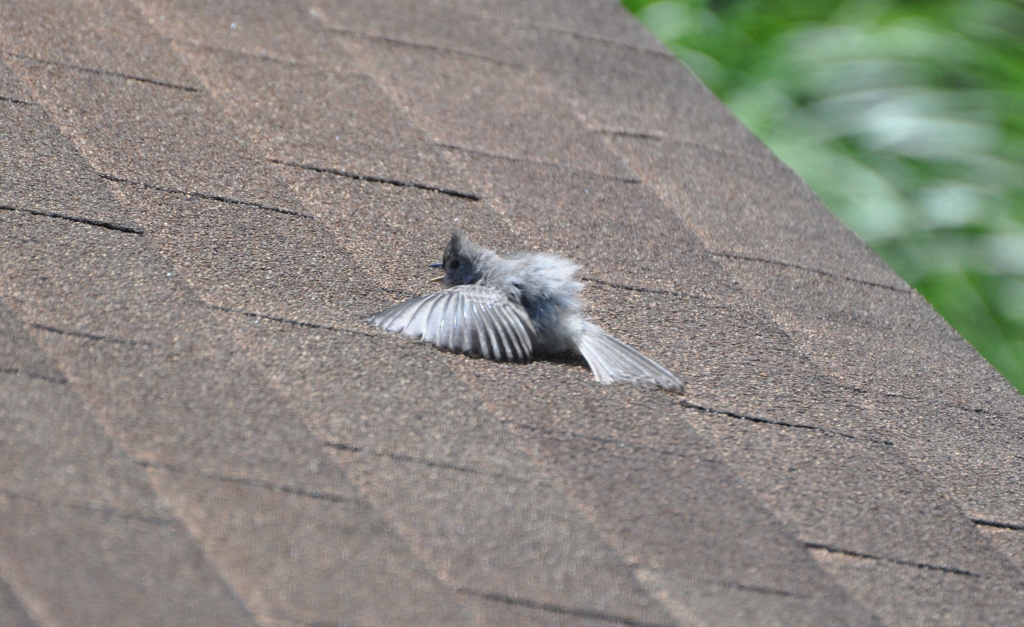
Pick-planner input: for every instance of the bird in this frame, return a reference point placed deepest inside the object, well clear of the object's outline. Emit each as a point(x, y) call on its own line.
point(515, 307)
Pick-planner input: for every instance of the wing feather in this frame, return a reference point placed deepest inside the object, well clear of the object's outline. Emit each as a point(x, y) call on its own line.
point(398, 317)
point(418, 319)
point(483, 344)
point(451, 331)
point(612, 360)
point(516, 352)
point(468, 325)
point(595, 359)
point(461, 330)
point(489, 329)
point(512, 346)
point(443, 328)
point(501, 333)
point(473, 319)
point(525, 331)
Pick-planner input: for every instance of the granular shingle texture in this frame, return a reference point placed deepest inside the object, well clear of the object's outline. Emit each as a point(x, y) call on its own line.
point(201, 201)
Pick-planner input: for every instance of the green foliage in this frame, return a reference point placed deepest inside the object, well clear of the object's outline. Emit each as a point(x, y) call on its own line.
point(906, 118)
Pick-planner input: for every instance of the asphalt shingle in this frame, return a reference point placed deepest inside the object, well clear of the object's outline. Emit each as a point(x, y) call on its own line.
point(202, 200)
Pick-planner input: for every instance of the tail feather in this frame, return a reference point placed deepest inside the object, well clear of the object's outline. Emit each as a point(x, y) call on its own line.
point(612, 361)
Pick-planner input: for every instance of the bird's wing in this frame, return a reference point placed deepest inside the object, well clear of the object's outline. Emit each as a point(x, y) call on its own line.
point(612, 361)
point(472, 319)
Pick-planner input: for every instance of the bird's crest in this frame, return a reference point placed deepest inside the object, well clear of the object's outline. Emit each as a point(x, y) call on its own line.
point(459, 244)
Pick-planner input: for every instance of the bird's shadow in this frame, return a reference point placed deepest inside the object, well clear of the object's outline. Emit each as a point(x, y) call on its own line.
point(565, 359)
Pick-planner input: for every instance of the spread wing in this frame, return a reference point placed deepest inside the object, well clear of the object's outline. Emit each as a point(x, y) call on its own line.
point(611, 361)
point(472, 319)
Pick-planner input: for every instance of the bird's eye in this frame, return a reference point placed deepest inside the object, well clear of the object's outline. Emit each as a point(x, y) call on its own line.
point(453, 264)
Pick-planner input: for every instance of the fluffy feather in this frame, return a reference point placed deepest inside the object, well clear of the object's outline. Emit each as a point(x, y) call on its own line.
point(512, 308)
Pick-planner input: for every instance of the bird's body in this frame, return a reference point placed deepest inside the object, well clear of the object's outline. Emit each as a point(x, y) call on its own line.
point(512, 308)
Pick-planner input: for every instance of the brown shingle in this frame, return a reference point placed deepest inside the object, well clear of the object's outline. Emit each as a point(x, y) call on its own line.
point(201, 200)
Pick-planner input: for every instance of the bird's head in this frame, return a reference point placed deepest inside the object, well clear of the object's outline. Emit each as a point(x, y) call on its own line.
point(461, 262)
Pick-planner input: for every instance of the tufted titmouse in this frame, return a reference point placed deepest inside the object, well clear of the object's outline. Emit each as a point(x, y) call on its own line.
point(511, 308)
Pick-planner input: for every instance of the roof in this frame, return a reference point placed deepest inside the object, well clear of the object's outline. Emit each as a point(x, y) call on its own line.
point(200, 202)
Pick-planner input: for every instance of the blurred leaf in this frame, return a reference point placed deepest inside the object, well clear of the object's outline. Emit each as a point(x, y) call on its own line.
point(906, 117)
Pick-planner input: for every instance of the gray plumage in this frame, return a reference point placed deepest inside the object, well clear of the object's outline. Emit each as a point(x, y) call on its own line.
point(512, 308)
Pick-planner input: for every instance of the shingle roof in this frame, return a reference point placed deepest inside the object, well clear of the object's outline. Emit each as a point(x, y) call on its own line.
point(202, 200)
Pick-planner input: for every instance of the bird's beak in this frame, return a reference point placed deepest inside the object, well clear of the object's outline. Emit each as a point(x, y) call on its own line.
point(436, 279)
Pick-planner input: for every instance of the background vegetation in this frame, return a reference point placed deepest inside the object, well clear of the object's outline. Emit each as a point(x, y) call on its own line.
point(906, 118)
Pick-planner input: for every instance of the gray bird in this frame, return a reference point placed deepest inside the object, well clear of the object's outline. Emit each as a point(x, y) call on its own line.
point(512, 308)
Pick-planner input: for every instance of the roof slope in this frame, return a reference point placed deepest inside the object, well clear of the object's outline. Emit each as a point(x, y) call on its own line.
point(202, 200)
